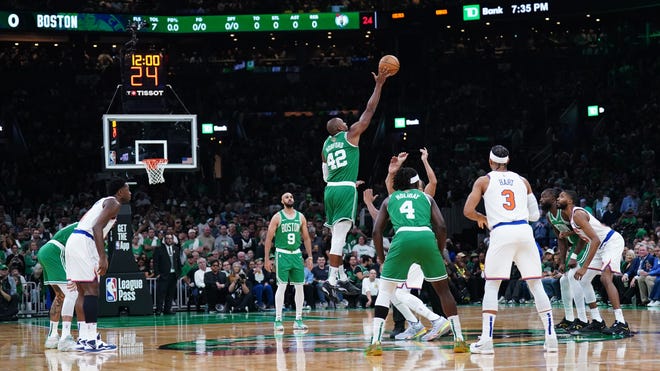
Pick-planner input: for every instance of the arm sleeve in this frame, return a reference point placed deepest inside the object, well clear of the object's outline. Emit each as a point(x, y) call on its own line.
point(533, 207)
point(326, 171)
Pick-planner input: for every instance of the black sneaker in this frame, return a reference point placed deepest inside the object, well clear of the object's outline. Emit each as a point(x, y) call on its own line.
point(349, 287)
point(564, 324)
point(595, 326)
point(576, 327)
point(396, 331)
point(618, 328)
point(330, 291)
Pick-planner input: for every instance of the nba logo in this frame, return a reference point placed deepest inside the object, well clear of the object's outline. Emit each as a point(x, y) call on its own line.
point(111, 289)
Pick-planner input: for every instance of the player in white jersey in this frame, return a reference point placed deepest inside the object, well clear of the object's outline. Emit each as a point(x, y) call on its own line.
point(604, 256)
point(510, 206)
point(86, 259)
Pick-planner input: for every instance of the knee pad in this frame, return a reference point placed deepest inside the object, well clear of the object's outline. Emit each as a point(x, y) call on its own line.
point(339, 232)
point(490, 295)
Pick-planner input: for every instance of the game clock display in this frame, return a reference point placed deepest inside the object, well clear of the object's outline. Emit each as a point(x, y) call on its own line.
point(144, 74)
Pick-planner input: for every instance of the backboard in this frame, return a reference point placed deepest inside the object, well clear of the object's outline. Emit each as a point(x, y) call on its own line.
point(129, 139)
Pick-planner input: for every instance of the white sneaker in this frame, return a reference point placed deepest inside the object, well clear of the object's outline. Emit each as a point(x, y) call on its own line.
point(482, 347)
point(96, 346)
point(66, 344)
point(413, 331)
point(551, 345)
point(440, 327)
point(654, 303)
point(51, 342)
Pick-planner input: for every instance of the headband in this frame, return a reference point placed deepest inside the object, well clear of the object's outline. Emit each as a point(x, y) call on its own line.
point(414, 179)
point(498, 160)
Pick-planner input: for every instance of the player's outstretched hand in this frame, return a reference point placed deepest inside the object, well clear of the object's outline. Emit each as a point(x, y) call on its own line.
point(425, 154)
point(368, 196)
point(383, 74)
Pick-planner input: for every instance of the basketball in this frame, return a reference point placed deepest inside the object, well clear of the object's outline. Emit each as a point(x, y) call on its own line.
point(390, 62)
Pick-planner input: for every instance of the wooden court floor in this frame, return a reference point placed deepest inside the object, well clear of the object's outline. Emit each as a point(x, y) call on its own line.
point(335, 341)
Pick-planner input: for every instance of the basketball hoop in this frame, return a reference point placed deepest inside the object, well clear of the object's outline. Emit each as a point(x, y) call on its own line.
point(155, 168)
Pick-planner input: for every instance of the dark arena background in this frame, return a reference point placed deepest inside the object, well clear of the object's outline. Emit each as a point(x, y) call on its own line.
point(236, 94)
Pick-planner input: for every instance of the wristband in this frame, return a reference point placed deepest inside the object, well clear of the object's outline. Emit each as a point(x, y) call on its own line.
point(574, 256)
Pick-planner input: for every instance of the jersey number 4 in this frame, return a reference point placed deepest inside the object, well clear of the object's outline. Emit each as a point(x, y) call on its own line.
point(408, 209)
point(509, 199)
point(337, 159)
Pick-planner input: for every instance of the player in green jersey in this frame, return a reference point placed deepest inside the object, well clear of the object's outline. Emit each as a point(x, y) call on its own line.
point(420, 236)
point(341, 159)
point(51, 258)
point(288, 227)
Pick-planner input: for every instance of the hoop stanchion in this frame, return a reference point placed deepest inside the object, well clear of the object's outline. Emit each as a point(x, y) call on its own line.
point(155, 168)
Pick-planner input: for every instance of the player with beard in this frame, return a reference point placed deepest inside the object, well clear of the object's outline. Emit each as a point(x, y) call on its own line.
point(570, 288)
point(288, 227)
point(603, 258)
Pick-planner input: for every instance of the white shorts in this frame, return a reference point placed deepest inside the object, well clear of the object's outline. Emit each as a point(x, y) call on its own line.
point(609, 254)
point(82, 259)
point(508, 244)
point(415, 278)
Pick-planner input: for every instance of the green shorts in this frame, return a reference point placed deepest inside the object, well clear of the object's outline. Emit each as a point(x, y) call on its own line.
point(340, 203)
point(582, 256)
point(290, 267)
point(410, 247)
point(51, 258)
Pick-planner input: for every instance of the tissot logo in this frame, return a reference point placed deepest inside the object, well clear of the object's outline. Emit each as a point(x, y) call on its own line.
point(471, 12)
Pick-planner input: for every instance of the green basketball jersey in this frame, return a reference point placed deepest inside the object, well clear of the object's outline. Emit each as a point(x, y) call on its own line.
point(342, 157)
point(287, 234)
point(63, 234)
point(563, 226)
point(409, 208)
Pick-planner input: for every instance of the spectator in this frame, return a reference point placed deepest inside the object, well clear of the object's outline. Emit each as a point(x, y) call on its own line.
point(8, 297)
point(320, 272)
point(259, 279)
point(239, 295)
point(223, 241)
point(369, 290)
point(639, 269)
point(216, 287)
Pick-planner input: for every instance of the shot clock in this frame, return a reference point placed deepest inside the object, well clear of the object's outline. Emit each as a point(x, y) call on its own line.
point(144, 74)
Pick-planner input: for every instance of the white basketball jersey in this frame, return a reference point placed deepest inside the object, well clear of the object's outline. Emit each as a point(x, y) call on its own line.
point(600, 229)
point(505, 198)
point(88, 220)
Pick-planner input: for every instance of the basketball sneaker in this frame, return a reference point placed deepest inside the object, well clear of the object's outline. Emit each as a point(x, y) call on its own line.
point(52, 342)
point(576, 327)
point(440, 327)
point(461, 346)
point(66, 344)
point(482, 347)
point(618, 328)
point(278, 326)
point(80, 345)
point(349, 288)
point(594, 326)
point(551, 345)
point(97, 345)
point(564, 324)
point(413, 331)
point(374, 349)
point(299, 325)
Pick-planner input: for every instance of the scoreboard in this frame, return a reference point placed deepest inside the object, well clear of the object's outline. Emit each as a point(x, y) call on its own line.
point(98, 22)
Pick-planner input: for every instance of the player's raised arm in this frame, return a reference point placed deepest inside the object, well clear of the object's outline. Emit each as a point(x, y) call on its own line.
point(430, 174)
point(361, 125)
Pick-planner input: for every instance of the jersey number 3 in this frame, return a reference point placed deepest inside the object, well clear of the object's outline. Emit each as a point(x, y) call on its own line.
point(510, 200)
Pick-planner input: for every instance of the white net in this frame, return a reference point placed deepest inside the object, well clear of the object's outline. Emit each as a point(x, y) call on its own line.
point(155, 168)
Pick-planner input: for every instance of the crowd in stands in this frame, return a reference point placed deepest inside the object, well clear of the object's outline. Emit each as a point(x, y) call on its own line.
point(527, 90)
